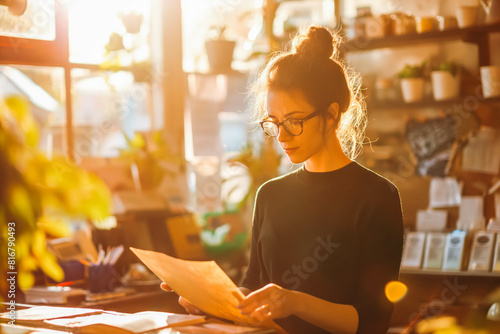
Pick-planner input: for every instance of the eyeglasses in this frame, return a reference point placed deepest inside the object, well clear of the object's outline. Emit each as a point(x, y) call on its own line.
point(293, 126)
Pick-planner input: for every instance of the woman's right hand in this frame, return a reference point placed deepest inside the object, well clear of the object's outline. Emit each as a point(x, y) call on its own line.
point(190, 308)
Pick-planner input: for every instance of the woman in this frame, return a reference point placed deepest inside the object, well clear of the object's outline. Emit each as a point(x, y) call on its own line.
point(328, 237)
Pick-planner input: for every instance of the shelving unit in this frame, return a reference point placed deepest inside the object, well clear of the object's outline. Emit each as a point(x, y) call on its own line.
point(478, 35)
point(449, 273)
point(463, 291)
point(428, 103)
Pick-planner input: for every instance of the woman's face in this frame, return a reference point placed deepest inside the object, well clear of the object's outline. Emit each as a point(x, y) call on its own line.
point(310, 144)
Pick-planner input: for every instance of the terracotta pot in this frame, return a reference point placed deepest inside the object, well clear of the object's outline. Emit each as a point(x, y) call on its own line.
point(220, 54)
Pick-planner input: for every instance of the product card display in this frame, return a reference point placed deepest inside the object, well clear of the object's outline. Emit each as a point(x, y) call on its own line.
point(434, 250)
point(496, 257)
point(431, 220)
point(482, 249)
point(413, 250)
point(453, 251)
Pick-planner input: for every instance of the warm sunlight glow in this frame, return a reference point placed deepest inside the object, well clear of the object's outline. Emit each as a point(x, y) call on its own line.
point(395, 291)
point(447, 324)
point(91, 22)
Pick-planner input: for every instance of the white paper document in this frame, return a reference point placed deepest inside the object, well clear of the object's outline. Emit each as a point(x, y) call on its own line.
point(202, 283)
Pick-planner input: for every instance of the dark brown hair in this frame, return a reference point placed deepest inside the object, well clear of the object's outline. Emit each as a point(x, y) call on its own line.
point(311, 65)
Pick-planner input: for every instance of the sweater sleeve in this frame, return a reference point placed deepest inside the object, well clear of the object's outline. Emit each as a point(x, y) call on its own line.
point(381, 249)
point(252, 277)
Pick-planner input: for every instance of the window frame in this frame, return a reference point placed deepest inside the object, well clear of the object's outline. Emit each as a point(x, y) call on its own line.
point(32, 52)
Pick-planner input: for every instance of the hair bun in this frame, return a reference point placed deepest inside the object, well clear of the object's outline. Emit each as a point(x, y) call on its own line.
point(316, 42)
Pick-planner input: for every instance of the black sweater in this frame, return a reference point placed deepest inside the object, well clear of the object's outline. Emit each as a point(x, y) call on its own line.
point(336, 235)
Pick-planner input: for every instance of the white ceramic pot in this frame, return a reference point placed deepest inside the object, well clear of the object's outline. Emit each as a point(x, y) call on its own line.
point(490, 80)
point(412, 89)
point(445, 86)
point(466, 16)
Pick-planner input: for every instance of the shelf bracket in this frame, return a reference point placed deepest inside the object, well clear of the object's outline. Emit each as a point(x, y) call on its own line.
point(482, 41)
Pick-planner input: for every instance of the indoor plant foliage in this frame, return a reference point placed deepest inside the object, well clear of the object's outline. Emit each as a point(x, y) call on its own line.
point(38, 196)
point(412, 81)
point(153, 158)
point(446, 80)
point(261, 164)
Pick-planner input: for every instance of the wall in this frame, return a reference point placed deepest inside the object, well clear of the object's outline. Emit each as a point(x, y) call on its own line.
point(387, 127)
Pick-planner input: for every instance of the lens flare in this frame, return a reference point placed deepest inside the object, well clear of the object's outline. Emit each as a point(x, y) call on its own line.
point(395, 291)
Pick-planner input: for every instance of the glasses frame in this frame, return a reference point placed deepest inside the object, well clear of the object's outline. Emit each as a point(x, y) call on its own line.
point(282, 123)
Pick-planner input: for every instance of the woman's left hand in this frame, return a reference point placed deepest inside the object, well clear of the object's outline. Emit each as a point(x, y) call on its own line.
point(269, 302)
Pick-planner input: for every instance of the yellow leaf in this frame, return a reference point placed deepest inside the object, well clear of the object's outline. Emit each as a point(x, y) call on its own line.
point(18, 106)
point(39, 247)
point(25, 280)
point(50, 267)
point(20, 203)
point(28, 263)
point(56, 227)
point(22, 245)
point(30, 129)
point(58, 171)
point(138, 141)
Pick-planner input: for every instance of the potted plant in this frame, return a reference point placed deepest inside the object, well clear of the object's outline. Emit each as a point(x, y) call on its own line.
point(37, 197)
point(412, 82)
point(446, 81)
point(219, 49)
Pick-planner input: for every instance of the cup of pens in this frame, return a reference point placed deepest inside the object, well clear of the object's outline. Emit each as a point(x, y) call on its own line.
point(101, 274)
point(101, 278)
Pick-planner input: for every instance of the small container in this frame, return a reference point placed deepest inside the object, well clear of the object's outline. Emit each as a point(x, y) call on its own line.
point(375, 27)
point(490, 80)
point(447, 22)
point(424, 24)
point(384, 89)
point(466, 16)
point(101, 278)
point(402, 24)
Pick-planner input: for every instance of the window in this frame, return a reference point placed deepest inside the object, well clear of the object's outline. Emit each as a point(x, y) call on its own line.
point(85, 67)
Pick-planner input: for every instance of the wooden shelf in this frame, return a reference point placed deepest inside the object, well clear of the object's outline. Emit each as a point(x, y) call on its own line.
point(390, 105)
point(470, 35)
point(448, 273)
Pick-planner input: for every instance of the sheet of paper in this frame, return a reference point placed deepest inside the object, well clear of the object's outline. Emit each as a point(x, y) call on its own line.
point(209, 328)
point(202, 283)
point(444, 192)
point(48, 312)
point(17, 329)
point(431, 220)
point(471, 213)
point(136, 323)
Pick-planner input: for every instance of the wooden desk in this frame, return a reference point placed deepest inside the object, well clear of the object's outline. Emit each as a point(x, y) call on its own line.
point(204, 328)
point(154, 300)
point(131, 301)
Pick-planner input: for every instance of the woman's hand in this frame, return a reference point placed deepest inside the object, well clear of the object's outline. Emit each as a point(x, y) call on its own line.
point(269, 302)
point(190, 308)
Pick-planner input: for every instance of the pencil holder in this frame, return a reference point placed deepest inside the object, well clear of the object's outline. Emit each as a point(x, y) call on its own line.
point(101, 278)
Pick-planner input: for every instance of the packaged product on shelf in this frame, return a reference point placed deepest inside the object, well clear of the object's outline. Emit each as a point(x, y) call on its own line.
point(481, 253)
point(453, 250)
point(496, 257)
point(434, 250)
point(413, 250)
